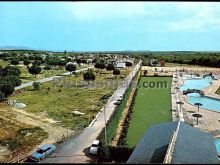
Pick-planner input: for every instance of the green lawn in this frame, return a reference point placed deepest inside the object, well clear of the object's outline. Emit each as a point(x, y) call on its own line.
point(152, 106)
point(218, 91)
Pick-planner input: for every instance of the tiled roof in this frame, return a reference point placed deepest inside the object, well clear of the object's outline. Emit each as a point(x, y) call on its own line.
point(192, 145)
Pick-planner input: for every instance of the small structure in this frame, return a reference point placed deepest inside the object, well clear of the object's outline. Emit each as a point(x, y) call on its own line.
point(120, 65)
point(162, 63)
point(175, 143)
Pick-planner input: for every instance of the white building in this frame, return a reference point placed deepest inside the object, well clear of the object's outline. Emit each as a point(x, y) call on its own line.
point(120, 65)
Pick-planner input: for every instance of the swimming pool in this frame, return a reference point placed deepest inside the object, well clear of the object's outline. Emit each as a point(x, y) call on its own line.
point(217, 144)
point(196, 83)
point(200, 83)
point(207, 102)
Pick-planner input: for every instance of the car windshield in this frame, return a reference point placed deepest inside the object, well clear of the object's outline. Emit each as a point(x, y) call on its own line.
point(94, 145)
point(40, 151)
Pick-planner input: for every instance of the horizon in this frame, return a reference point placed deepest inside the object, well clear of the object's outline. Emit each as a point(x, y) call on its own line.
point(111, 26)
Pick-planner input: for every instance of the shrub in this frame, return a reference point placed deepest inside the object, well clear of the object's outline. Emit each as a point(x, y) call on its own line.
point(36, 85)
point(2, 96)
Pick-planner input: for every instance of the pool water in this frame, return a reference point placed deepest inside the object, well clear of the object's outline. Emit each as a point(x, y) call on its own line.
point(199, 83)
point(217, 144)
point(207, 102)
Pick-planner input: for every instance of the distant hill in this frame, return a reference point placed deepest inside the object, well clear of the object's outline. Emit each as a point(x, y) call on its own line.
point(15, 48)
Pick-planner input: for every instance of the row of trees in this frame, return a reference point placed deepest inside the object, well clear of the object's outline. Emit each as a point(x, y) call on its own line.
point(9, 79)
point(194, 58)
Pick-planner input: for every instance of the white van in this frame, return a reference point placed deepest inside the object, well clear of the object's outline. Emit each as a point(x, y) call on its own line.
point(94, 147)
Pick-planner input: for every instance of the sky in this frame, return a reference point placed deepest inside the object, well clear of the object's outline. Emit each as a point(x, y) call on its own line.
point(111, 26)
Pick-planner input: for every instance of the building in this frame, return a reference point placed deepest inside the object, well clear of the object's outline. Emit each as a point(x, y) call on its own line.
point(175, 143)
point(120, 65)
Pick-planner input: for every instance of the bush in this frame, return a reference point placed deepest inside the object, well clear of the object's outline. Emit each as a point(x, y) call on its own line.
point(2, 96)
point(36, 85)
point(104, 154)
point(124, 153)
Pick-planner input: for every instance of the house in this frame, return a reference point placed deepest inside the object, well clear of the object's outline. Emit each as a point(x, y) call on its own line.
point(154, 62)
point(120, 65)
point(74, 63)
point(175, 143)
point(89, 60)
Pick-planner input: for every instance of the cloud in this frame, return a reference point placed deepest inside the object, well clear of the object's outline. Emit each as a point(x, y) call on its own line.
point(88, 11)
point(202, 16)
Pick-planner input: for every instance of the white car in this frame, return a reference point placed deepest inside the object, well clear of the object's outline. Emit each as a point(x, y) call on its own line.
point(94, 147)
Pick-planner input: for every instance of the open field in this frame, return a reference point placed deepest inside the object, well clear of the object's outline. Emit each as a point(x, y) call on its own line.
point(61, 107)
point(152, 106)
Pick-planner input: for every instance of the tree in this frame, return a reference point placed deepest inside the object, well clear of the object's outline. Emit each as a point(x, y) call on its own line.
point(62, 63)
point(110, 67)
point(26, 63)
point(116, 72)
point(70, 68)
point(36, 62)
point(2, 96)
point(89, 76)
point(14, 62)
point(1, 71)
point(14, 80)
point(11, 70)
point(34, 70)
point(7, 89)
point(97, 65)
point(128, 64)
point(102, 66)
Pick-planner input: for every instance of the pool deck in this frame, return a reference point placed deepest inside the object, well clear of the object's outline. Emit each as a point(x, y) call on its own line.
point(210, 120)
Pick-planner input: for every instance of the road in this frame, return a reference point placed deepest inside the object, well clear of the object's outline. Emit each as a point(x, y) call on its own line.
point(48, 79)
point(75, 150)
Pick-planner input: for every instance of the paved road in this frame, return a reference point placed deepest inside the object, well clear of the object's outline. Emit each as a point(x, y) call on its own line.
point(75, 150)
point(48, 79)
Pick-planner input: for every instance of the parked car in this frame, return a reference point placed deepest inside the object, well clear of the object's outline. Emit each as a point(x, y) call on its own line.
point(42, 152)
point(94, 147)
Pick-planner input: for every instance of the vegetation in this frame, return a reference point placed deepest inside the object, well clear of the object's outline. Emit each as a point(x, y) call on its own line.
point(152, 106)
point(35, 70)
point(36, 86)
point(9, 79)
point(110, 67)
point(89, 76)
point(218, 91)
point(67, 92)
point(71, 68)
point(116, 72)
point(211, 59)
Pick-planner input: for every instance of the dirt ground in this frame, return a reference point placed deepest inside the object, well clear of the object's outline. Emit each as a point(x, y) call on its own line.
point(23, 119)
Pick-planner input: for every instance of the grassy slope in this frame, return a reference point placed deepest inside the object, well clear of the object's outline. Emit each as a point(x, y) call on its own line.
point(218, 91)
point(152, 106)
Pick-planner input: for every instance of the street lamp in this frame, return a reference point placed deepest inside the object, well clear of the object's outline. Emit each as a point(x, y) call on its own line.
point(106, 141)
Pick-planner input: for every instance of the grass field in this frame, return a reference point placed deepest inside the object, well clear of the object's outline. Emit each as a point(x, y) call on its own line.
point(152, 106)
point(4, 63)
point(27, 77)
point(59, 100)
point(218, 91)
